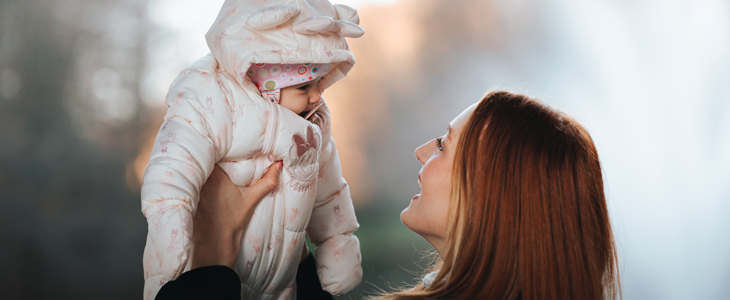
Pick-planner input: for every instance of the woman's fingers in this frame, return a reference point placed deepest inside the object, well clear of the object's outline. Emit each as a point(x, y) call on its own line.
point(253, 194)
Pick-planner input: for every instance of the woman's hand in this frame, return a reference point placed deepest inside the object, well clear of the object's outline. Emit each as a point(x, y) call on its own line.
point(223, 213)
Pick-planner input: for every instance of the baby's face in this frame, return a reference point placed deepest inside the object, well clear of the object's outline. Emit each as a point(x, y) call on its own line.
point(302, 97)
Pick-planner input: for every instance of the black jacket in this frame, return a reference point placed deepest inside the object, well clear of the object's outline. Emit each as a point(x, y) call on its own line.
point(222, 283)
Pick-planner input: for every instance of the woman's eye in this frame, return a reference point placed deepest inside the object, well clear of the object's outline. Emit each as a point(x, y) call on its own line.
point(438, 144)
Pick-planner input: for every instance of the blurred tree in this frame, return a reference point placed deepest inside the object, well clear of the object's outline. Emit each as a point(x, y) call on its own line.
point(70, 226)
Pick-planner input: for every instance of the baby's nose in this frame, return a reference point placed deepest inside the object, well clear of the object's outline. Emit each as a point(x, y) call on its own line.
point(315, 98)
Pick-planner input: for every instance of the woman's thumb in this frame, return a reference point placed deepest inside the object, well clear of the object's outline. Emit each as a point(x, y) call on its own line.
point(266, 183)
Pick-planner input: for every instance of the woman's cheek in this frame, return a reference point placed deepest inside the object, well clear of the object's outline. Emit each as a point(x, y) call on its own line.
point(433, 204)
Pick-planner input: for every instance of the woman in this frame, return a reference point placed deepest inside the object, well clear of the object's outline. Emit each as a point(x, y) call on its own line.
point(527, 216)
point(512, 201)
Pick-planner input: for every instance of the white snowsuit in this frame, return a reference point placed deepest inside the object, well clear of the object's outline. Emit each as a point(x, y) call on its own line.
point(216, 115)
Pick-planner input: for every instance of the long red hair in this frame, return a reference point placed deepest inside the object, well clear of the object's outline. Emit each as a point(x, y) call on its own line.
point(528, 216)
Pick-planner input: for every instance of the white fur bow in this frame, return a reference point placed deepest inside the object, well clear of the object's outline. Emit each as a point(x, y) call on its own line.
point(324, 24)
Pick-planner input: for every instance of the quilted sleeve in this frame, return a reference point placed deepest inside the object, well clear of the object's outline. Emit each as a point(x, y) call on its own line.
point(194, 135)
point(332, 224)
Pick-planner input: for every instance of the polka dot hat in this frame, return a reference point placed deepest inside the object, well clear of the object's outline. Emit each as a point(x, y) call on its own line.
point(271, 78)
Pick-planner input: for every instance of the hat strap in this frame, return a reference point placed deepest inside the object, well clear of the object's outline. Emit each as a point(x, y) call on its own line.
point(272, 95)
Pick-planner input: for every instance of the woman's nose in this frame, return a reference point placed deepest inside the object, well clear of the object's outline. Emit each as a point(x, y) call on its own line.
point(423, 152)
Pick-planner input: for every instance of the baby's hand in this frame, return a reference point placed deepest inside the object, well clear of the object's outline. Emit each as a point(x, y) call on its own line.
point(320, 116)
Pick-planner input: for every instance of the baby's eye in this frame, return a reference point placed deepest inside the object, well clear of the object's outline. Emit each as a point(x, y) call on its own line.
point(304, 87)
point(438, 144)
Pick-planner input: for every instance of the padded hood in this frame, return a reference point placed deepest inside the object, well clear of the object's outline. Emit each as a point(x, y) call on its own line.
point(248, 32)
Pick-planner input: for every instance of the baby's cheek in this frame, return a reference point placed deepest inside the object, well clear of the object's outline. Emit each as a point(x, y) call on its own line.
point(295, 104)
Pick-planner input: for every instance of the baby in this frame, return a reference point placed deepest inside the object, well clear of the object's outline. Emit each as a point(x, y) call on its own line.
point(254, 100)
point(296, 87)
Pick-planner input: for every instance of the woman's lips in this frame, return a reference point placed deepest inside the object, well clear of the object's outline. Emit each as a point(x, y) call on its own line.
point(416, 197)
point(419, 181)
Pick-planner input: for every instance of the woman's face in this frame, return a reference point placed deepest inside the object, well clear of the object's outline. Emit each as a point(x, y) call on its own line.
point(427, 214)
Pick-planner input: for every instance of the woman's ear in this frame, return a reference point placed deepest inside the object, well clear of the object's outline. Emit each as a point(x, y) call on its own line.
point(272, 15)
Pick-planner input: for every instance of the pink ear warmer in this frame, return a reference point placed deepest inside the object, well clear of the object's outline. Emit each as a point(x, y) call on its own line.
point(271, 78)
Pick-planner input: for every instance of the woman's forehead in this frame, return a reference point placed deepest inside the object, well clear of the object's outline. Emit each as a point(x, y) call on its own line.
point(461, 119)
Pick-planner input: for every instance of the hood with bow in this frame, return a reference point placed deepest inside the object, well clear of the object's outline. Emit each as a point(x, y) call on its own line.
point(284, 32)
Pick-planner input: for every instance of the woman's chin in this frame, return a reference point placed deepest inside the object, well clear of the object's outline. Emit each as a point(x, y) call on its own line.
point(404, 215)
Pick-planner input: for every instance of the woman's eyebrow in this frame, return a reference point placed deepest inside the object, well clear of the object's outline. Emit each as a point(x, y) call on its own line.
point(448, 131)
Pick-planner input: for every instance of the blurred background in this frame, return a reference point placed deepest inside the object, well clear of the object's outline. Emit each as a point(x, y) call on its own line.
point(82, 86)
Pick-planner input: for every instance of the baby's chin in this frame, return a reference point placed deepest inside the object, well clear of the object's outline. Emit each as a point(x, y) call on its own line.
point(297, 111)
